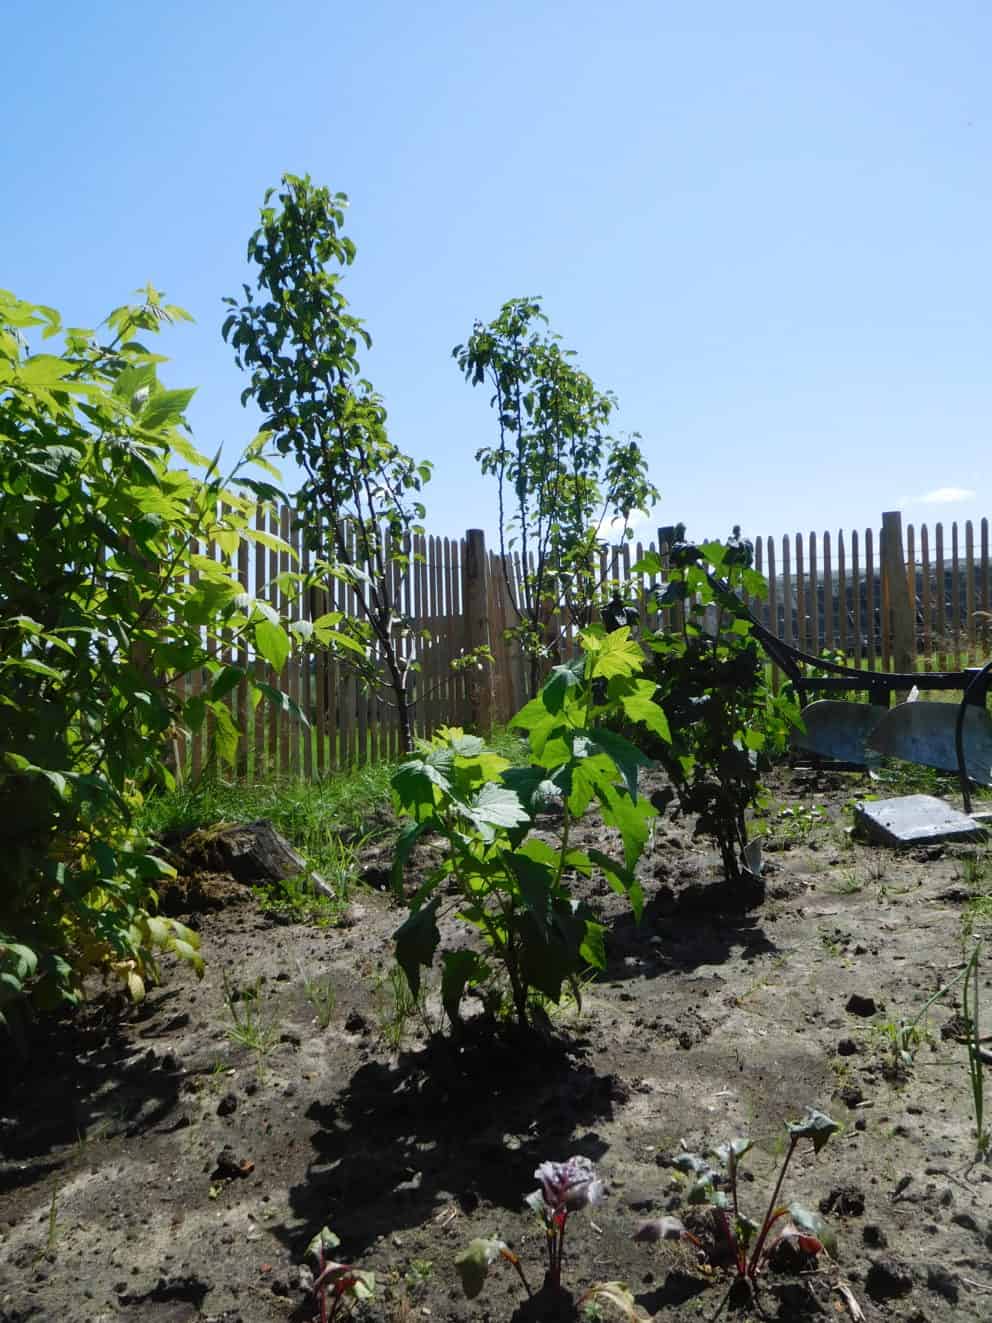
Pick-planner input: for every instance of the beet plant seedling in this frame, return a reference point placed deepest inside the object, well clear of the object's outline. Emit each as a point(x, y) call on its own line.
point(566, 1188)
point(509, 885)
point(733, 1239)
point(338, 1287)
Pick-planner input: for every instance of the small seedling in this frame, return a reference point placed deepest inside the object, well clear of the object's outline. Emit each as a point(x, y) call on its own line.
point(976, 1053)
point(337, 1287)
point(731, 1238)
point(566, 1187)
point(397, 1008)
point(248, 1028)
point(320, 993)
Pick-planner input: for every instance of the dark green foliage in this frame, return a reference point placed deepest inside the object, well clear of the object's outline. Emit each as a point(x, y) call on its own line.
point(508, 884)
point(726, 723)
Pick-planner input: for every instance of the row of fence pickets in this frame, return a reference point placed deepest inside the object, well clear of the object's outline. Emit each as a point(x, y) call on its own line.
point(824, 592)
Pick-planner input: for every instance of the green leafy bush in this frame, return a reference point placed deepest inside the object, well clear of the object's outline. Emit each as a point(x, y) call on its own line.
point(499, 878)
point(726, 722)
point(103, 605)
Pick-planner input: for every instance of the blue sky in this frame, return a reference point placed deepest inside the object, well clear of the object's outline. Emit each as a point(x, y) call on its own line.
point(767, 226)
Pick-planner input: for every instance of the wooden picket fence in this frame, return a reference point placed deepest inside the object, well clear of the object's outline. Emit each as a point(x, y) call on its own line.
point(886, 601)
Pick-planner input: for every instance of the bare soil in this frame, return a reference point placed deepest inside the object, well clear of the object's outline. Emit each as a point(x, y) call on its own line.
point(153, 1170)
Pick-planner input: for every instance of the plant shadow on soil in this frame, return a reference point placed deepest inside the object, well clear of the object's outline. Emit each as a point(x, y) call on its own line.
point(451, 1124)
point(86, 1081)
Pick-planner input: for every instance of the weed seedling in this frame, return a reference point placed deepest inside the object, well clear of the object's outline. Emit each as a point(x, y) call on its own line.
point(731, 1239)
point(248, 1028)
point(320, 993)
point(976, 1056)
point(397, 1007)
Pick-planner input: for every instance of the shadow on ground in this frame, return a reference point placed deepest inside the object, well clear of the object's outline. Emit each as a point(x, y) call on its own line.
point(460, 1124)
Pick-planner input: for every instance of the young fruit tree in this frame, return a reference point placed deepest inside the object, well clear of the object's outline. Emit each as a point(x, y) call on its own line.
point(104, 605)
point(359, 504)
point(561, 477)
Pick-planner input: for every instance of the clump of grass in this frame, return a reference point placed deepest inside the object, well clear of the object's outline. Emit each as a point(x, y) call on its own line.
point(249, 1027)
point(320, 993)
point(397, 1009)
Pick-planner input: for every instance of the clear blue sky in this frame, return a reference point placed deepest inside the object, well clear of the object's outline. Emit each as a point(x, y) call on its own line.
point(766, 226)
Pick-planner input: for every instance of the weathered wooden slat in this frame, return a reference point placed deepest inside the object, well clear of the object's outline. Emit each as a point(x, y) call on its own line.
point(986, 595)
point(773, 607)
point(956, 594)
point(801, 609)
point(926, 602)
point(856, 622)
point(828, 595)
point(813, 596)
point(969, 562)
point(788, 634)
point(940, 601)
point(870, 627)
point(842, 599)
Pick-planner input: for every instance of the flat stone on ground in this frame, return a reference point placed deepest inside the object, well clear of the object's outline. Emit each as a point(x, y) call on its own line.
point(914, 820)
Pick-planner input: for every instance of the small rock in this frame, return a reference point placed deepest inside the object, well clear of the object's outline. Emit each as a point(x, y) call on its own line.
point(294, 1040)
point(229, 1164)
point(227, 1104)
point(967, 1221)
point(873, 1236)
point(847, 1047)
point(356, 1023)
point(888, 1279)
point(852, 1095)
point(942, 1282)
point(845, 1200)
point(859, 1005)
point(641, 1203)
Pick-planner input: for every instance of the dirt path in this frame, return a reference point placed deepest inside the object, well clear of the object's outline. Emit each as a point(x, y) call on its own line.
point(156, 1171)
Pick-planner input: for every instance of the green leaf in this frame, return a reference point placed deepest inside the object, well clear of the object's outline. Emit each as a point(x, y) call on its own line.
point(535, 879)
point(631, 819)
point(229, 678)
point(616, 654)
point(562, 679)
point(324, 1240)
point(805, 1219)
point(402, 850)
point(273, 643)
point(168, 406)
point(416, 941)
point(627, 756)
point(473, 1263)
point(640, 705)
point(622, 881)
point(459, 968)
point(494, 806)
point(815, 1125)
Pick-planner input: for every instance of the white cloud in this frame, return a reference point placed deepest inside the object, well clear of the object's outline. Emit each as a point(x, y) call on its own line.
point(947, 496)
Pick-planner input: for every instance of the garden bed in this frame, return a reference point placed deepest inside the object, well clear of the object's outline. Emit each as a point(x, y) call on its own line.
point(156, 1170)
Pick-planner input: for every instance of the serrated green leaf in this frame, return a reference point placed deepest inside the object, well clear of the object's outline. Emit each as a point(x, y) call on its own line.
point(416, 941)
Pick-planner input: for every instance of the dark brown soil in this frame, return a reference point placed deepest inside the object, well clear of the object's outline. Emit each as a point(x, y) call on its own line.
point(155, 1171)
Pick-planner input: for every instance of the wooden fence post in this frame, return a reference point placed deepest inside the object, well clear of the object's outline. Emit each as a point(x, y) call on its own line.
point(898, 613)
point(475, 573)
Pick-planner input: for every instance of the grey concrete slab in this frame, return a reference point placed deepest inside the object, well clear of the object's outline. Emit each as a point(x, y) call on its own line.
point(914, 820)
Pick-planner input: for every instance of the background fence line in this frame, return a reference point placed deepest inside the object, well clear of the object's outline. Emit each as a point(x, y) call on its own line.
point(890, 598)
